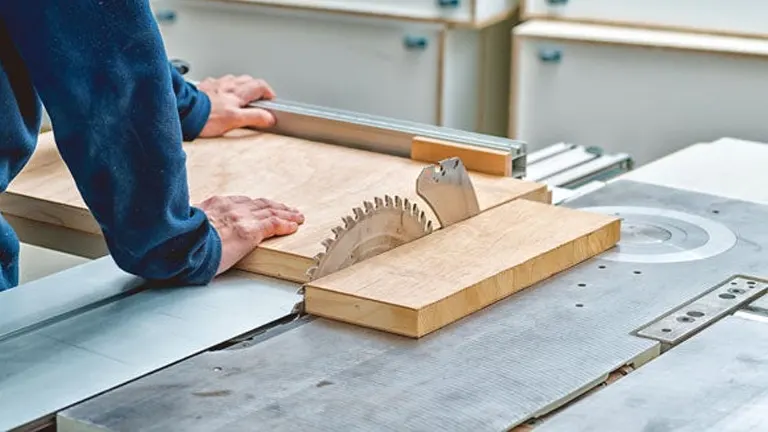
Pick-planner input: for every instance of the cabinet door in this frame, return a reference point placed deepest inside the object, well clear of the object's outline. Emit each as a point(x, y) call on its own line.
point(647, 102)
point(376, 66)
point(732, 17)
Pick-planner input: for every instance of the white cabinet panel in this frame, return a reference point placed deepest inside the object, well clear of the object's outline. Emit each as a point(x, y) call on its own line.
point(597, 86)
point(453, 11)
point(377, 66)
point(425, 72)
point(717, 16)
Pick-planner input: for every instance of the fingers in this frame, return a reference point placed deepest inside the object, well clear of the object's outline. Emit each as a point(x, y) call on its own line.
point(258, 230)
point(243, 223)
point(261, 203)
point(251, 89)
point(245, 87)
point(287, 215)
point(244, 211)
point(275, 226)
point(255, 118)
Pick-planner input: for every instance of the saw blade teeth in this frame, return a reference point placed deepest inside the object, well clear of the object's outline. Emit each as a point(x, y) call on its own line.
point(414, 210)
point(388, 201)
point(429, 227)
point(368, 206)
point(359, 213)
point(349, 222)
point(311, 273)
point(398, 202)
point(327, 243)
point(422, 217)
point(407, 205)
point(337, 231)
point(319, 257)
point(379, 202)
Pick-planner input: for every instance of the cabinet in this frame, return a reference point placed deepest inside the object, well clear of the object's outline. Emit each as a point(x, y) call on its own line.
point(419, 70)
point(735, 17)
point(644, 92)
point(463, 12)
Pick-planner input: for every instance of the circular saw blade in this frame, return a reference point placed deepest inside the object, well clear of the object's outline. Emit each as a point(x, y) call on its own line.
point(375, 228)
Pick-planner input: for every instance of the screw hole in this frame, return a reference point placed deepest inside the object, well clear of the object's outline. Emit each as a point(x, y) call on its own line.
point(736, 290)
point(579, 305)
point(716, 211)
point(666, 330)
point(582, 285)
point(734, 283)
point(751, 282)
point(601, 266)
point(217, 369)
point(685, 319)
point(637, 272)
point(727, 296)
point(695, 314)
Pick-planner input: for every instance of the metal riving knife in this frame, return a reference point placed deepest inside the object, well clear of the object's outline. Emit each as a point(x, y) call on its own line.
point(447, 189)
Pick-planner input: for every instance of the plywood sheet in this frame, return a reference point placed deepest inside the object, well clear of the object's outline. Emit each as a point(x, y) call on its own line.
point(324, 181)
point(431, 282)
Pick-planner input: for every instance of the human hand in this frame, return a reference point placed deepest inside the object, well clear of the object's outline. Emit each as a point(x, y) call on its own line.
point(229, 97)
point(243, 223)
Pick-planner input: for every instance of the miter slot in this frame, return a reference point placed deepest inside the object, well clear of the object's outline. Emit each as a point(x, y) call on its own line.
point(692, 317)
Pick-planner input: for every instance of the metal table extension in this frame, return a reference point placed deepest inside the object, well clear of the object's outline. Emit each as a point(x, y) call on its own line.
point(518, 359)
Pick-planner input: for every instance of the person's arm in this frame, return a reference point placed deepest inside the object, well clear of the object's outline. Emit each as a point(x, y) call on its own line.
point(193, 105)
point(102, 74)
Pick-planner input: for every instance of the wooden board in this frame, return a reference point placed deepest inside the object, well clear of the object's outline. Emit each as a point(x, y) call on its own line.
point(431, 282)
point(324, 181)
point(488, 161)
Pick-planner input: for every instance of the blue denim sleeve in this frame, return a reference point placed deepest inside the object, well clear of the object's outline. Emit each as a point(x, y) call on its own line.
point(192, 104)
point(101, 71)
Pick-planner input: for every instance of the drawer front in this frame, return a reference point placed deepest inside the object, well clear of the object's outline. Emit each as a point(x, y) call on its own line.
point(732, 17)
point(370, 65)
point(642, 101)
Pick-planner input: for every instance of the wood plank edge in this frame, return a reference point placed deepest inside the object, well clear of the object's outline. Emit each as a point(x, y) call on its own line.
point(49, 212)
point(596, 242)
point(361, 311)
point(276, 264)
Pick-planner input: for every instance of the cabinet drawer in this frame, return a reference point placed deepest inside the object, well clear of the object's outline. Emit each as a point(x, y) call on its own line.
point(609, 87)
point(377, 66)
point(453, 11)
point(738, 17)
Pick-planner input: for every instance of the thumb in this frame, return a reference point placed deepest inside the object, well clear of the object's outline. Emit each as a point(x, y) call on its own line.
point(255, 118)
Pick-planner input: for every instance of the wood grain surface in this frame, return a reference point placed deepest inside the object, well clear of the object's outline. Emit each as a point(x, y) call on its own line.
point(324, 181)
point(488, 161)
point(431, 282)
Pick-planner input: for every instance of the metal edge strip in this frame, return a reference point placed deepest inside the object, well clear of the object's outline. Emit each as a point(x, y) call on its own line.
point(377, 133)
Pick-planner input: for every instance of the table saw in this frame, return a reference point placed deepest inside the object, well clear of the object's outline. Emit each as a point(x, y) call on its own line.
point(664, 331)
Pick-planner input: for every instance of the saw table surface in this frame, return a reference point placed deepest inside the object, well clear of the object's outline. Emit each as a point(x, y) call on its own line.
point(518, 359)
point(324, 181)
